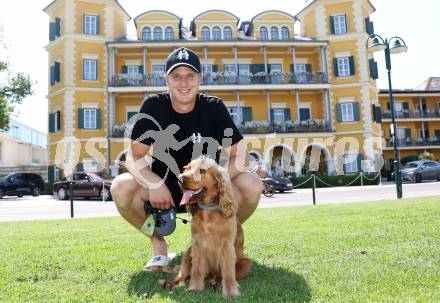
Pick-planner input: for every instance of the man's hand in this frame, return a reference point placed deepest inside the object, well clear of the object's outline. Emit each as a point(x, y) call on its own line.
point(161, 198)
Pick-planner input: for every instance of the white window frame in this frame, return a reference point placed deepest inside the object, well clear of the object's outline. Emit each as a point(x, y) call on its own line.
point(90, 24)
point(215, 37)
point(205, 31)
point(347, 112)
point(343, 66)
point(143, 33)
point(57, 127)
point(90, 165)
point(278, 115)
point(285, 30)
point(277, 33)
point(300, 68)
point(267, 33)
point(351, 167)
point(339, 24)
point(225, 30)
point(90, 72)
point(167, 33)
point(154, 33)
point(236, 114)
point(90, 115)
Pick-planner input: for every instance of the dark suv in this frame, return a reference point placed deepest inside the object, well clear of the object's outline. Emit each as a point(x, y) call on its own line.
point(20, 184)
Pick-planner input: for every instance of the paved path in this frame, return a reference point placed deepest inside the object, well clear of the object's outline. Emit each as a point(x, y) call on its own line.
point(47, 207)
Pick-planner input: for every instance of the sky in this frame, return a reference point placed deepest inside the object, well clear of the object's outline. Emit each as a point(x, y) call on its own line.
point(417, 22)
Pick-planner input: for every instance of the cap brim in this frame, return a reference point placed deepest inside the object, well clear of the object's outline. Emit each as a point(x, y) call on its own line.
point(182, 64)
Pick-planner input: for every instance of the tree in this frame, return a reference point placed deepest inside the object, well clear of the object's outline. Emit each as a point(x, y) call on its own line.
point(12, 91)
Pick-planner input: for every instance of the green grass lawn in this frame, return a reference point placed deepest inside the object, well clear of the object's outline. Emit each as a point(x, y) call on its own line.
point(366, 252)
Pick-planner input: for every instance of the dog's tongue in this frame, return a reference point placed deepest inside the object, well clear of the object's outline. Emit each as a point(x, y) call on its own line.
point(187, 195)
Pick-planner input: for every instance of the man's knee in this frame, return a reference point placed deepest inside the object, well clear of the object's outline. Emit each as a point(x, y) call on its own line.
point(249, 185)
point(123, 189)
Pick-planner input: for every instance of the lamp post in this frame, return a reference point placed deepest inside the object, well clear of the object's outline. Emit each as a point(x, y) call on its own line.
point(376, 43)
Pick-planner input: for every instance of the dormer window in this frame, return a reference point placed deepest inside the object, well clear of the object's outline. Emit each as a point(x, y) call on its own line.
point(146, 33)
point(157, 33)
point(216, 33)
point(274, 33)
point(227, 33)
point(206, 34)
point(169, 33)
point(264, 35)
point(284, 33)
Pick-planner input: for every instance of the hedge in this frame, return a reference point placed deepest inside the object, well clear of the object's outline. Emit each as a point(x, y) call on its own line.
point(342, 180)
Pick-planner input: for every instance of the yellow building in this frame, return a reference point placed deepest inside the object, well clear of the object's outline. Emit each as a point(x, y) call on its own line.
point(417, 114)
point(298, 97)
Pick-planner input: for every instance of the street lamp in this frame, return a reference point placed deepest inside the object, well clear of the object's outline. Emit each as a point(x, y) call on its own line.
point(376, 43)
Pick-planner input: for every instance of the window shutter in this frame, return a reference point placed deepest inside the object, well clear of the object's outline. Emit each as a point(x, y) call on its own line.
point(373, 69)
point(356, 112)
point(287, 114)
point(51, 173)
point(124, 69)
point(346, 23)
point(407, 132)
point(335, 67)
point(57, 27)
point(98, 118)
point(52, 75)
point(252, 68)
point(247, 113)
point(437, 133)
point(79, 167)
point(405, 105)
point(351, 62)
point(214, 68)
point(51, 123)
point(308, 68)
point(81, 118)
point(58, 117)
point(292, 69)
point(57, 72)
point(377, 114)
point(51, 31)
point(359, 162)
point(339, 112)
point(97, 25)
point(141, 69)
point(332, 25)
point(84, 23)
point(271, 115)
point(388, 106)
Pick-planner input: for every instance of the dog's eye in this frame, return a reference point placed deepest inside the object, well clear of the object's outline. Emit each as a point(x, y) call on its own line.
point(202, 170)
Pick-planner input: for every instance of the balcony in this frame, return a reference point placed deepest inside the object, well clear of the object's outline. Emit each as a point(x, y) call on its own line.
point(413, 114)
point(223, 78)
point(409, 142)
point(261, 127)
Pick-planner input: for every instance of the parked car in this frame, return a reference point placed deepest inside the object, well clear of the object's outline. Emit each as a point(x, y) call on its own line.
point(85, 185)
point(418, 171)
point(20, 184)
point(279, 184)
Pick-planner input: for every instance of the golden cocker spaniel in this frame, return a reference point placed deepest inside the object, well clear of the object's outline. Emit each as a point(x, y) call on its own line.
point(217, 239)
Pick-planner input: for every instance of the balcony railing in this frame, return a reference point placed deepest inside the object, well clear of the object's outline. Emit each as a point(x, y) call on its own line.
point(408, 142)
point(260, 127)
point(413, 114)
point(137, 80)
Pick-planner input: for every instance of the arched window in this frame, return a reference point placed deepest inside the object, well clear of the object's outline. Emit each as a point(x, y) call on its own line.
point(274, 33)
point(206, 34)
point(146, 33)
point(216, 33)
point(284, 33)
point(169, 33)
point(264, 35)
point(227, 33)
point(157, 33)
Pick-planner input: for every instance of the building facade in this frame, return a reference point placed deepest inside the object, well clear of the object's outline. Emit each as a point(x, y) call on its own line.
point(417, 114)
point(298, 97)
point(23, 148)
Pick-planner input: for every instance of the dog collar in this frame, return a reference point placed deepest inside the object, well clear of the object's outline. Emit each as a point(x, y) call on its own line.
point(209, 207)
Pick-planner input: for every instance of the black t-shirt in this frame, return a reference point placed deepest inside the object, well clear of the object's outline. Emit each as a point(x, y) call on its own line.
point(203, 129)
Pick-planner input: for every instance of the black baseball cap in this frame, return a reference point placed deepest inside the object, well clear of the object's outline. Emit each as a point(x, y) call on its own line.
point(183, 56)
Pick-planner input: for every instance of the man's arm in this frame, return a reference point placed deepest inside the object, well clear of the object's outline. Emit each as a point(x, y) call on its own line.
point(238, 159)
point(139, 168)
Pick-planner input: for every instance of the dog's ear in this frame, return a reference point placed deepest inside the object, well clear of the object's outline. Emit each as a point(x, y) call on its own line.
point(228, 205)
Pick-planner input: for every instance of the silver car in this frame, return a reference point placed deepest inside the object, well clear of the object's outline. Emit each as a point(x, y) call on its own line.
point(421, 170)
